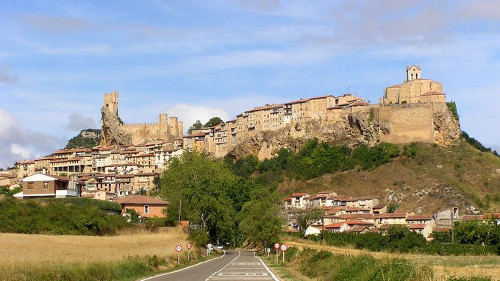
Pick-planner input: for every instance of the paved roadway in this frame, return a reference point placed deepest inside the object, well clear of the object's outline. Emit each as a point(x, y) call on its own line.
point(234, 265)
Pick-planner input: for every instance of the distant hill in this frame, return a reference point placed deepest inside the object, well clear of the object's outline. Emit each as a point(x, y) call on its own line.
point(86, 138)
point(433, 178)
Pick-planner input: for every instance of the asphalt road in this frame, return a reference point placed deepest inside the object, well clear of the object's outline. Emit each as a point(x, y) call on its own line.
point(234, 265)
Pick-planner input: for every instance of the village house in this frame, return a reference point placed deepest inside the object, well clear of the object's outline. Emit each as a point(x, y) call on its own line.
point(48, 186)
point(146, 207)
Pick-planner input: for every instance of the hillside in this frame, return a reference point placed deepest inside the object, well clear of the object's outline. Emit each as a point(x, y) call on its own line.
point(435, 178)
point(86, 138)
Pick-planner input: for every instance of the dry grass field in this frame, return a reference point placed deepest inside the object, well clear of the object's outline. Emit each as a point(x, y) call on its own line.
point(442, 266)
point(26, 249)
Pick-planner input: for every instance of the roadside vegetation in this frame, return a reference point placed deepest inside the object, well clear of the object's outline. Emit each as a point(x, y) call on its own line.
point(77, 216)
point(470, 238)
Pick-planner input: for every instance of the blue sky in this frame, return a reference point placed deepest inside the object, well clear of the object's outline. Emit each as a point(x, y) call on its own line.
point(197, 59)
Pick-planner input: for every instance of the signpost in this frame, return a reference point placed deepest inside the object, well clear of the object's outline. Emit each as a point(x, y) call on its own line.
point(178, 249)
point(277, 246)
point(188, 246)
point(283, 248)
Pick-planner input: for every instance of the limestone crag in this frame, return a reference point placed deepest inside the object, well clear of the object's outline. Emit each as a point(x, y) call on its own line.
point(369, 126)
point(111, 132)
point(446, 127)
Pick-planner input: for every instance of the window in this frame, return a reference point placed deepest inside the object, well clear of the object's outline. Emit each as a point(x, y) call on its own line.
point(146, 209)
point(45, 185)
point(31, 185)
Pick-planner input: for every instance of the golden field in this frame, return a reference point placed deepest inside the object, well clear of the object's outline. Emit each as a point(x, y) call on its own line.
point(443, 267)
point(16, 249)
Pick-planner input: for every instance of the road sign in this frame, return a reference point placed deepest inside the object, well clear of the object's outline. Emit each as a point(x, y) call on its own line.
point(188, 246)
point(276, 245)
point(283, 247)
point(178, 248)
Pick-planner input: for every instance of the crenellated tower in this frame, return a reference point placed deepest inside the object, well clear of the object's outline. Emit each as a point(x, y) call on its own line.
point(111, 102)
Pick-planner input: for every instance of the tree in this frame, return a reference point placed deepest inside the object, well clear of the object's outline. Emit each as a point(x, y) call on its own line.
point(306, 218)
point(196, 126)
point(260, 222)
point(214, 121)
point(200, 188)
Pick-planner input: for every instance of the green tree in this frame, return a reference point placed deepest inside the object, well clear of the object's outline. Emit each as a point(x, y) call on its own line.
point(196, 126)
point(306, 218)
point(260, 222)
point(214, 121)
point(201, 188)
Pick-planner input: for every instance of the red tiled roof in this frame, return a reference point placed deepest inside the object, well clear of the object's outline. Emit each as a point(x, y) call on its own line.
point(358, 222)
point(358, 228)
point(441, 229)
point(472, 217)
point(335, 225)
point(379, 206)
point(417, 226)
point(419, 218)
point(138, 199)
point(299, 194)
point(392, 215)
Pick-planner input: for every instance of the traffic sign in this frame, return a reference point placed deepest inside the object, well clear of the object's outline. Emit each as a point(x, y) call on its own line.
point(276, 245)
point(283, 247)
point(188, 246)
point(178, 248)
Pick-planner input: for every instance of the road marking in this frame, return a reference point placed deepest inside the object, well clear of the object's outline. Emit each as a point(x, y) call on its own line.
point(239, 253)
point(267, 268)
point(182, 269)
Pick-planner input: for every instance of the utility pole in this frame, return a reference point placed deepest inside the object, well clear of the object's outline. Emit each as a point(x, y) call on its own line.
point(180, 208)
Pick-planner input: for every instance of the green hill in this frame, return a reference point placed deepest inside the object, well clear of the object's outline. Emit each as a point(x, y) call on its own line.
point(86, 138)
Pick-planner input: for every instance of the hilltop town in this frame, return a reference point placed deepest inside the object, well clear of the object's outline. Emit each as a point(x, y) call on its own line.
point(131, 156)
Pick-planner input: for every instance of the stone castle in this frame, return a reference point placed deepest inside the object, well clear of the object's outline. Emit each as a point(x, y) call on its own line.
point(116, 132)
point(414, 111)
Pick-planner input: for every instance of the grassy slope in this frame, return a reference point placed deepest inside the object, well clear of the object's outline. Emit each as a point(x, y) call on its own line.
point(444, 176)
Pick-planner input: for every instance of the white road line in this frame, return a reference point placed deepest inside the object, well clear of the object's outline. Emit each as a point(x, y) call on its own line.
point(270, 272)
point(239, 253)
point(182, 269)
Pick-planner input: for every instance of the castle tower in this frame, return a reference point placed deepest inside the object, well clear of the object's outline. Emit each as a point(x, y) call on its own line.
point(173, 127)
point(163, 125)
point(111, 102)
point(180, 129)
point(413, 72)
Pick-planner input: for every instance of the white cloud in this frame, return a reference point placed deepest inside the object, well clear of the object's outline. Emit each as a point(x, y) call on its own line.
point(190, 113)
point(18, 143)
point(22, 152)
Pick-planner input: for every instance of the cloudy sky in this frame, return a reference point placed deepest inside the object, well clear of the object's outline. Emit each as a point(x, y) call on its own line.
point(197, 59)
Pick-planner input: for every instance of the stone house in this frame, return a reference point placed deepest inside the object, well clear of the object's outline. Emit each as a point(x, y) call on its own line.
point(48, 186)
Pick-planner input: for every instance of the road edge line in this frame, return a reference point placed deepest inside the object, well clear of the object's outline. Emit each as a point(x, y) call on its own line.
point(239, 253)
point(267, 268)
point(179, 270)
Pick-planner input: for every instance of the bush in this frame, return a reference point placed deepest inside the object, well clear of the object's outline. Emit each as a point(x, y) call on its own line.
point(57, 216)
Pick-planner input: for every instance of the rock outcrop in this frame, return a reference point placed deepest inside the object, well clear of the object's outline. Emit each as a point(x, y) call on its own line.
point(430, 123)
point(111, 133)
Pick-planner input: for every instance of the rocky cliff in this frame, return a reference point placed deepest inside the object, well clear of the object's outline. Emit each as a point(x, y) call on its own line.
point(427, 123)
point(111, 133)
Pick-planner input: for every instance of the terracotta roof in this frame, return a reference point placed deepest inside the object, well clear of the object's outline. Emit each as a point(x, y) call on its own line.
point(66, 160)
point(335, 225)
point(288, 199)
point(419, 218)
point(472, 217)
point(417, 226)
point(138, 199)
point(358, 228)
point(358, 222)
point(387, 226)
point(379, 206)
point(357, 216)
point(299, 194)
point(392, 215)
point(269, 106)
